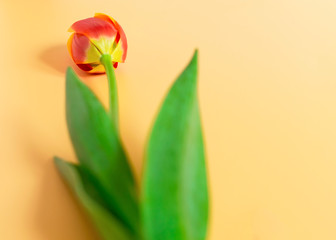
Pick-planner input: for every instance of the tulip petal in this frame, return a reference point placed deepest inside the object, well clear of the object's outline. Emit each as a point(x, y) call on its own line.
point(78, 45)
point(98, 69)
point(69, 44)
point(120, 39)
point(82, 50)
point(118, 55)
point(104, 44)
point(94, 28)
point(101, 33)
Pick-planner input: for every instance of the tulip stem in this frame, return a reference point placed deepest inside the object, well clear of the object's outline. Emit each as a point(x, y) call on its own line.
point(113, 94)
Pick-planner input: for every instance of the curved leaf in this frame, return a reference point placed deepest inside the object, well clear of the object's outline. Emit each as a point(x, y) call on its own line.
point(175, 198)
point(109, 227)
point(99, 151)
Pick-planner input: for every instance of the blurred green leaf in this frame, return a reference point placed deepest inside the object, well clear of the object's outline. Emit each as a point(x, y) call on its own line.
point(99, 151)
point(175, 196)
point(107, 224)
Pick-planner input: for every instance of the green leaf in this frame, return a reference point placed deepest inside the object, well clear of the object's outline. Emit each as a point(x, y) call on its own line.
point(108, 225)
point(99, 151)
point(175, 196)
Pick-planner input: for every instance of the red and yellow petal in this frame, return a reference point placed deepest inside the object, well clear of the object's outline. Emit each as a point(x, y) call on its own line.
point(97, 69)
point(83, 52)
point(92, 68)
point(118, 55)
point(94, 28)
point(121, 48)
point(104, 45)
point(77, 46)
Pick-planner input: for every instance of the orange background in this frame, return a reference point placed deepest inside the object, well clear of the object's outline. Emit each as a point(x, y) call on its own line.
point(268, 101)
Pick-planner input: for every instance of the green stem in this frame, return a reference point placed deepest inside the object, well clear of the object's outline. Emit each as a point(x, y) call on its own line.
point(113, 94)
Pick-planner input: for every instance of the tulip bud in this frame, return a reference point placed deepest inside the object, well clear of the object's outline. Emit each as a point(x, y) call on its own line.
point(94, 37)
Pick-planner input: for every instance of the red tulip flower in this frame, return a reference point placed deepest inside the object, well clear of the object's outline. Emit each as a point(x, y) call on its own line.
point(95, 37)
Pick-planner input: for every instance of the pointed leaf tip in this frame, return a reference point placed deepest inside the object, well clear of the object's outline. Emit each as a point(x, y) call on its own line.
point(57, 160)
point(106, 222)
point(196, 53)
point(70, 74)
point(194, 59)
point(69, 70)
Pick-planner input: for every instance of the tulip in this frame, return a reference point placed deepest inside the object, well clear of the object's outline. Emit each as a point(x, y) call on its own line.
point(97, 45)
point(94, 38)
